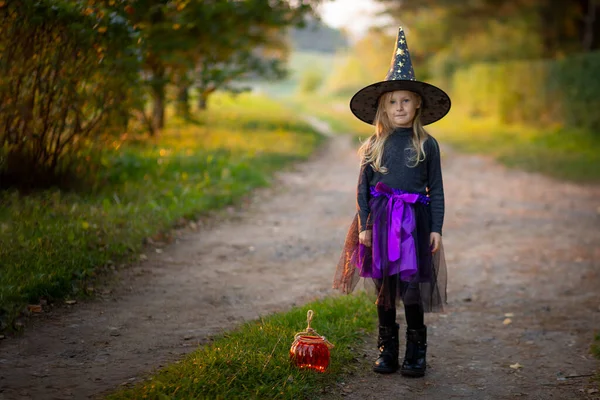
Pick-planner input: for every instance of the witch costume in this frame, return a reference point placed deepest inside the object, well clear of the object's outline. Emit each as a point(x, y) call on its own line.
point(401, 207)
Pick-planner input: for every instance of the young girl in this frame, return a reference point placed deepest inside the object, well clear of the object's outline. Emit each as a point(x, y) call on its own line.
point(395, 240)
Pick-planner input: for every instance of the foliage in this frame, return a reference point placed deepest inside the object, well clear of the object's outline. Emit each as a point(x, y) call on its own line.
point(210, 44)
point(53, 243)
point(253, 361)
point(311, 81)
point(374, 51)
point(547, 93)
point(559, 27)
point(347, 77)
point(367, 62)
point(254, 31)
point(446, 35)
point(74, 73)
point(576, 80)
point(564, 153)
point(66, 78)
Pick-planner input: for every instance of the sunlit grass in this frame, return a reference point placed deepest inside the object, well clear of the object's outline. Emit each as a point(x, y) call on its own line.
point(563, 153)
point(52, 243)
point(253, 361)
point(595, 348)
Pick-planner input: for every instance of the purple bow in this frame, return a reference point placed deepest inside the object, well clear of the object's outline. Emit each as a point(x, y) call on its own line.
point(401, 224)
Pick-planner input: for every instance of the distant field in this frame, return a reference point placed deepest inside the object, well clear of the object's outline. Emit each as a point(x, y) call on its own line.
point(299, 63)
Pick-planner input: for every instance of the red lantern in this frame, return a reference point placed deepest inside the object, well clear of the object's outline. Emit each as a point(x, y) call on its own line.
point(310, 350)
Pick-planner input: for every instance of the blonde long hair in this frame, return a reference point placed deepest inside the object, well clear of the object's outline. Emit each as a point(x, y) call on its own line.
point(371, 151)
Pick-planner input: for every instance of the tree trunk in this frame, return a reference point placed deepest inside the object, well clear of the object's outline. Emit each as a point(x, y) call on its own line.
point(589, 20)
point(183, 98)
point(548, 31)
point(158, 85)
point(203, 100)
point(158, 108)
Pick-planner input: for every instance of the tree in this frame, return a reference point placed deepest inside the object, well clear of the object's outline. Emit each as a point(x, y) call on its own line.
point(159, 41)
point(210, 43)
point(227, 41)
point(560, 27)
point(252, 44)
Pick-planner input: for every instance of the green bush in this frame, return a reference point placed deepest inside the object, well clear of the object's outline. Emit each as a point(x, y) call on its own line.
point(311, 81)
point(542, 92)
point(67, 73)
point(578, 81)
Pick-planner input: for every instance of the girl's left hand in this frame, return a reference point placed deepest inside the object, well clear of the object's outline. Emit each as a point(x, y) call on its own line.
point(435, 241)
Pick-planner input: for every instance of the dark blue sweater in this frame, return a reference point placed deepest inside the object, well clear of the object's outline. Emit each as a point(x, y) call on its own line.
point(425, 178)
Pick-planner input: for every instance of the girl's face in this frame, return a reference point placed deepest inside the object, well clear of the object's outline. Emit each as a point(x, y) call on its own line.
point(401, 108)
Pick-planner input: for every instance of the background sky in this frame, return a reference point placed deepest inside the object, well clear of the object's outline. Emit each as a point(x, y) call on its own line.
point(355, 16)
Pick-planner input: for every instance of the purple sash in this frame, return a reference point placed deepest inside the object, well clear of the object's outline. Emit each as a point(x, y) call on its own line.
point(400, 249)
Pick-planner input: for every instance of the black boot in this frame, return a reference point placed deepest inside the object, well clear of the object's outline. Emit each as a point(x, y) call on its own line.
point(388, 343)
point(416, 351)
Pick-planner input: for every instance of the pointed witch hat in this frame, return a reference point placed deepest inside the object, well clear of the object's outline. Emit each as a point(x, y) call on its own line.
point(435, 102)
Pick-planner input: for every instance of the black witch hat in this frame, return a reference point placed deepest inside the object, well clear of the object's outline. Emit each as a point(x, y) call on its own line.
point(435, 102)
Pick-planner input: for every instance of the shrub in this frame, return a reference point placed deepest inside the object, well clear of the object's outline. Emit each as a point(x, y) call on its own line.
point(542, 92)
point(67, 71)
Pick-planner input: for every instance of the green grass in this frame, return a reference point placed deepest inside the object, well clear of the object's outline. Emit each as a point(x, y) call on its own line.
point(253, 361)
point(562, 153)
point(595, 347)
point(52, 243)
point(595, 350)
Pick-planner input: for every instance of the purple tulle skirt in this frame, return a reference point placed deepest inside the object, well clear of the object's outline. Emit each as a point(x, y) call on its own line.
point(418, 278)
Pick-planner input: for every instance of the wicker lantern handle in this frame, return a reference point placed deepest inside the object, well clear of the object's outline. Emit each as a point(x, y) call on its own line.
point(309, 317)
point(311, 332)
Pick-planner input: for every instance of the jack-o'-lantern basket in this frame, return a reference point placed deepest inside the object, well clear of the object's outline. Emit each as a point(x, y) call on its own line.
point(309, 349)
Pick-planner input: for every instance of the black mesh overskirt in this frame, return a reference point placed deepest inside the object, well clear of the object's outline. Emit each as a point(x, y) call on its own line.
point(427, 286)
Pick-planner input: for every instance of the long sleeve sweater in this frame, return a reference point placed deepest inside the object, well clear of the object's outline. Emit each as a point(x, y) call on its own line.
point(425, 178)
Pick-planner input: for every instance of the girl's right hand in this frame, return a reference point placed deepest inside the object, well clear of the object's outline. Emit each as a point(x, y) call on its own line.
point(365, 237)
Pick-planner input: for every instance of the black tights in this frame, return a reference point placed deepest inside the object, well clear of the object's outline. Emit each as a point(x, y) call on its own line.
point(414, 316)
point(413, 311)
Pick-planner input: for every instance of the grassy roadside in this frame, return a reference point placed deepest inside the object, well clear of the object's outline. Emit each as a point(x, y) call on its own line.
point(595, 350)
point(253, 361)
point(53, 243)
point(562, 153)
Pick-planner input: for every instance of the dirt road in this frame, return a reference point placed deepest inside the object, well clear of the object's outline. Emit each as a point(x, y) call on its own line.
point(523, 254)
point(515, 243)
